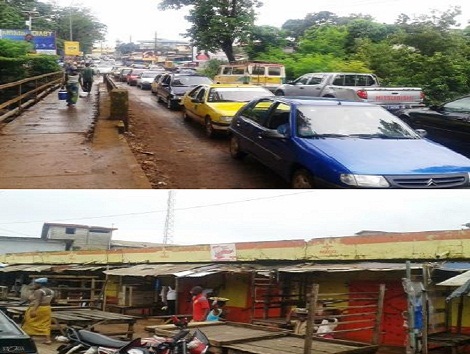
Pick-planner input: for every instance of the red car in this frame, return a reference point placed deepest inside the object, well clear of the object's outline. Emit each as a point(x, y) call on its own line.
point(133, 75)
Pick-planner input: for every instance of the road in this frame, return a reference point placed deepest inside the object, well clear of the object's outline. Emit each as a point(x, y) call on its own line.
point(177, 155)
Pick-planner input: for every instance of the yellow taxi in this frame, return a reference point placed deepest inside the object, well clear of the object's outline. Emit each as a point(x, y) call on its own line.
point(214, 105)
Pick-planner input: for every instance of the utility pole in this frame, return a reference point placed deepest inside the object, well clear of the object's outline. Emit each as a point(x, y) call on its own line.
point(155, 47)
point(169, 221)
point(70, 25)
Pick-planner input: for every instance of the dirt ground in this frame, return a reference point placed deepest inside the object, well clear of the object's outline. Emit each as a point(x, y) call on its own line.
point(177, 155)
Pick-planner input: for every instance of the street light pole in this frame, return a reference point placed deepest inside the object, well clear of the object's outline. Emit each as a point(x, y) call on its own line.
point(30, 18)
point(71, 31)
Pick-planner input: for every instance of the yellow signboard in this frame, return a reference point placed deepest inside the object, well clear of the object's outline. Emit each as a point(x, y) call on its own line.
point(71, 48)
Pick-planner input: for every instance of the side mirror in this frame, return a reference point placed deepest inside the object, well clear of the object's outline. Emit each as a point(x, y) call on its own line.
point(435, 107)
point(421, 132)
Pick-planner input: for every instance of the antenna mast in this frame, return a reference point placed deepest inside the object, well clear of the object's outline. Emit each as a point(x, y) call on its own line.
point(169, 221)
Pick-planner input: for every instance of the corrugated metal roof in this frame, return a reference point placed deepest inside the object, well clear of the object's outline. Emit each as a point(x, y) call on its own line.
point(142, 270)
point(35, 268)
point(346, 267)
point(185, 270)
point(26, 268)
point(458, 280)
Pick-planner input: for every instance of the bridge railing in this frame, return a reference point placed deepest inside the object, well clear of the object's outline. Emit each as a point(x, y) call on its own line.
point(19, 95)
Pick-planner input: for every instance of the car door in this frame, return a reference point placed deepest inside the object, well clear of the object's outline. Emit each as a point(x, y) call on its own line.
point(188, 101)
point(154, 84)
point(448, 124)
point(198, 104)
point(314, 86)
point(248, 122)
point(164, 86)
point(270, 147)
point(297, 88)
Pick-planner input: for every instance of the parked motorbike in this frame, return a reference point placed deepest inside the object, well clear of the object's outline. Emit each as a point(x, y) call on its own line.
point(181, 342)
point(81, 341)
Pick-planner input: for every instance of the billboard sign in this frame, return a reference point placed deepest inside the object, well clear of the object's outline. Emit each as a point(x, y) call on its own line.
point(43, 41)
point(71, 48)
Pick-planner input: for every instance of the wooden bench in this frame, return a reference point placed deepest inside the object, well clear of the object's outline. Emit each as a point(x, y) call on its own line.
point(449, 340)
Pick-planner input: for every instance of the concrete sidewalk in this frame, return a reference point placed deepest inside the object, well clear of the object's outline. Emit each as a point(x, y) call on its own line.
point(52, 146)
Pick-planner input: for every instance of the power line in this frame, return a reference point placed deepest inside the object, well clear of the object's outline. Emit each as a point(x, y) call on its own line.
point(163, 210)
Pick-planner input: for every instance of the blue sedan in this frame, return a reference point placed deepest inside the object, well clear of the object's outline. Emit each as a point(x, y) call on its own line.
point(330, 143)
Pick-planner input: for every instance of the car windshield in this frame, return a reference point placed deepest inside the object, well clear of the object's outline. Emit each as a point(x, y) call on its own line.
point(150, 74)
point(7, 328)
point(237, 94)
point(191, 80)
point(365, 122)
point(460, 105)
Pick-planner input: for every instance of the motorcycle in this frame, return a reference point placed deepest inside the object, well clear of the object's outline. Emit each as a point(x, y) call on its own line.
point(81, 341)
point(180, 343)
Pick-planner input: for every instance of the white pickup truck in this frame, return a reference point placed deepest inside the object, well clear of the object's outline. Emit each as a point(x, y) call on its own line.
point(353, 87)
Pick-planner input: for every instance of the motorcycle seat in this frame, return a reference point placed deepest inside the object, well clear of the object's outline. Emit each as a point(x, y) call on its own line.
point(100, 340)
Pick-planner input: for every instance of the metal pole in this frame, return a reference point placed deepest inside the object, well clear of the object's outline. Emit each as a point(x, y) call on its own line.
point(70, 25)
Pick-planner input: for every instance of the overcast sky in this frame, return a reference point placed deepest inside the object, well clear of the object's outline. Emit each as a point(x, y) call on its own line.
point(224, 216)
point(141, 19)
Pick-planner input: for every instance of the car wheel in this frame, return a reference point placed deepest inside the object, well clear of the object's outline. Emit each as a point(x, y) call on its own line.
point(159, 99)
point(279, 93)
point(169, 105)
point(302, 179)
point(235, 151)
point(210, 132)
point(185, 115)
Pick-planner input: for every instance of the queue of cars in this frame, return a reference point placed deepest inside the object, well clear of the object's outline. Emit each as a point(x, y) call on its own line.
point(324, 142)
point(214, 105)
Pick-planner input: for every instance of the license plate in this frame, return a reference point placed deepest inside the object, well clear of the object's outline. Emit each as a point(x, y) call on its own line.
point(393, 107)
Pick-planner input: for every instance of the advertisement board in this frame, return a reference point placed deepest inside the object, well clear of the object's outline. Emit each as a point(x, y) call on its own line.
point(43, 41)
point(71, 48)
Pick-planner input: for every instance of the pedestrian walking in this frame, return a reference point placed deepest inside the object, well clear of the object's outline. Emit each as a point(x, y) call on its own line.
point(168, 295)
point(201, 305)
point(71, 82)
point(86, 78)
point(38, 316)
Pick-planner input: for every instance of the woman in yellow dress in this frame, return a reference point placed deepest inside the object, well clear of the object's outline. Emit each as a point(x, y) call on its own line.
point(37, 318)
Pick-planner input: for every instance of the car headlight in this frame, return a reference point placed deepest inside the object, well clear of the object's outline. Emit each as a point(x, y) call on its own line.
point(364, 181)
point(226, 119)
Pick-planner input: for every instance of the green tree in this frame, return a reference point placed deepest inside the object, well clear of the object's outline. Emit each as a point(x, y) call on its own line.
point(297, 28)
point(10, 17)
point(367, 29)
point(217, 24)
point(13, 49)
point(211, 68)
point(326, 39)
point(262, 38)
point(127, 48)
point(428, 33)
point(78, 24)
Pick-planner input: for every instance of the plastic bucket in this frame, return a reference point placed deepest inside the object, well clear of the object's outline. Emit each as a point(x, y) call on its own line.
point(63, 95)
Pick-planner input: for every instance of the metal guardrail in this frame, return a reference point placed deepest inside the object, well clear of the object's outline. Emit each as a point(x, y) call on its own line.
point(26, 93)
point(110, 85)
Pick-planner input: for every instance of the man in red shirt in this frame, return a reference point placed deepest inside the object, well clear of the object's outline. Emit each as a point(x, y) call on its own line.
point(201, 305)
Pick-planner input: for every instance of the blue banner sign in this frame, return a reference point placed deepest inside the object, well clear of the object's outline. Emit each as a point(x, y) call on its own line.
point(43, 41)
